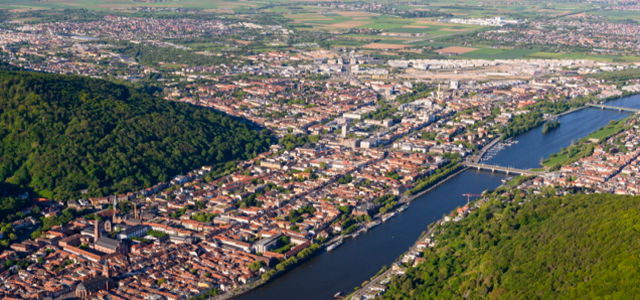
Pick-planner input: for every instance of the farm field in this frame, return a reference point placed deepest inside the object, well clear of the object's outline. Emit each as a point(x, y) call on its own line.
point(456, 50)
point(617, 14)
point(582, 56)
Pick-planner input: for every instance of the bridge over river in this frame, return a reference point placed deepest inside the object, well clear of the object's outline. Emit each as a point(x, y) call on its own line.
point(507, 170)
point(618, 108)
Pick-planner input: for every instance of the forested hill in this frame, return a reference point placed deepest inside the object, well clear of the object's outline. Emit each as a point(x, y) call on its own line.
point(61, 134)
point(575, 247)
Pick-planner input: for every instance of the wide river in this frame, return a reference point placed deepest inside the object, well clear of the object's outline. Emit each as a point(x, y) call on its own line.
point(360, 258)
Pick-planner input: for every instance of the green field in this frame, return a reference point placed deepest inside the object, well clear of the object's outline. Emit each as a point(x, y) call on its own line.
point(348, 43)
point(382, 26)
point(433, 44)
point(409, 30)
point(281, 10)
point(617, 14)
point(548, 55)
point(559, 159)
point(607, 131)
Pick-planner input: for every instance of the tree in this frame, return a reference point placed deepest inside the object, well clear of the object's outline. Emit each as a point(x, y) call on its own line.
point(36, 234)
point(256, 265)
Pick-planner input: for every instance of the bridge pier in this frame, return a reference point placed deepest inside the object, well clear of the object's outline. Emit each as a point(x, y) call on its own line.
point(493, 170)
point(507, 172)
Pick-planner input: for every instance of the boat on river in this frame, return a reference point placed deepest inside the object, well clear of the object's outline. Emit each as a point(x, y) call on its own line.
point(334, 245)
point(389, 216)
point(373, 224)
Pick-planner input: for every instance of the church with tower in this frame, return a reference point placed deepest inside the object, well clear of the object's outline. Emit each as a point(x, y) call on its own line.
point(98, 283)
point(125, 219)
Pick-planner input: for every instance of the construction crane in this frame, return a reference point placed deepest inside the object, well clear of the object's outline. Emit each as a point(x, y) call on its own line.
point(470, 195)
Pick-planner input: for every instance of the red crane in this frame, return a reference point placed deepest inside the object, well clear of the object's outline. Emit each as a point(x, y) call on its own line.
point(471, 195)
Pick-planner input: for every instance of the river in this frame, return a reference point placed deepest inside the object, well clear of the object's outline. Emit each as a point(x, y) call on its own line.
point(359, 259)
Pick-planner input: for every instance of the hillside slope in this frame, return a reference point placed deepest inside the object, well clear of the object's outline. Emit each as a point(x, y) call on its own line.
point(61, 134)
point(574, 247)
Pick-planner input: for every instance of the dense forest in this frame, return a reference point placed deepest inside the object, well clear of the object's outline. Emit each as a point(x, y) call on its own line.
point(572, 247)
point(61, 134)
point(10, 206)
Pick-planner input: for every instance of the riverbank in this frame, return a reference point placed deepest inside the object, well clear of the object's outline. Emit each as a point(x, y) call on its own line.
point(412, 198)
point(381, 278)
point(625, 94)
point(271, 276)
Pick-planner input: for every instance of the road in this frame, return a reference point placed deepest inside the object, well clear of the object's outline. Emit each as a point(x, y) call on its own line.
point(376, 280)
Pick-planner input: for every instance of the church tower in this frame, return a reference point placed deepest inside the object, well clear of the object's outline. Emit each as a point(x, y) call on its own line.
point(105, 269)
point(106, 273)
point(96, 231)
